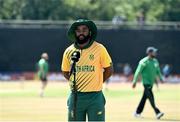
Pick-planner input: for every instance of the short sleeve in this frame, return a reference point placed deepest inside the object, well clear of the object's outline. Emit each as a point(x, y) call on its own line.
point(65, 66)
point(105, 58)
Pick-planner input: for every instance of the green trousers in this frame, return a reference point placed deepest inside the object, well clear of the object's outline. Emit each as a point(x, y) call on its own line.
point(90, 104)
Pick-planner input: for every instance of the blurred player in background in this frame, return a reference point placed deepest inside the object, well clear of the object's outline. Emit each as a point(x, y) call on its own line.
point(149, 69)
point(127, 71)
point(93, 68)
point(43, 68)
point(166, 70)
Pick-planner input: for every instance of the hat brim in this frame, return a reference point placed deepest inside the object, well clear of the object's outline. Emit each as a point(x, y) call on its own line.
point(151, 49)
point(91, 25)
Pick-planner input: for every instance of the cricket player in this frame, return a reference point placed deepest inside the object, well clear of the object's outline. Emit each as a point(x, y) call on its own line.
point(149, 69)
point(43, 69)
point(93, 68)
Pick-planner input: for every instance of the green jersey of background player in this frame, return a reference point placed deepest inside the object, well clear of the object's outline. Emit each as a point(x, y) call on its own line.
point(43, 69)
point(149, 70)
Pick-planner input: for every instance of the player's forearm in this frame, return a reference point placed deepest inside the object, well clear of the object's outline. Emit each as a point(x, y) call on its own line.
point(159, 74)
point(66, 75)
point(107, 73)
point(135, 78)
point(137, 74)
point(160, 77)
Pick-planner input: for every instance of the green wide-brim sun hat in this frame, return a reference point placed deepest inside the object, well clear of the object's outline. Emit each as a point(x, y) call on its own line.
point(91, 25)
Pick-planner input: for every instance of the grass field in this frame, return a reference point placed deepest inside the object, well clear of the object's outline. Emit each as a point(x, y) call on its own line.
point(19, 101)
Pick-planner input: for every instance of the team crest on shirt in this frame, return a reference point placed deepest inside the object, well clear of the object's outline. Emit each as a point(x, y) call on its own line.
point(91, 57)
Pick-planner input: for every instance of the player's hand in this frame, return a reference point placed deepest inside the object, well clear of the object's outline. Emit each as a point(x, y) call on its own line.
point(134, 85)
point(162, 81)
point(157, 86)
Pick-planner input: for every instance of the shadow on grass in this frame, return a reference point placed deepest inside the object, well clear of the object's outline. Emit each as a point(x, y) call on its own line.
point(169, 119)
point(162, 119)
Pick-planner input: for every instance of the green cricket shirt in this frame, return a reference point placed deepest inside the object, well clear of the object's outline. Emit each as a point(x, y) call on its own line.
point(149, 69)
point(42, 68)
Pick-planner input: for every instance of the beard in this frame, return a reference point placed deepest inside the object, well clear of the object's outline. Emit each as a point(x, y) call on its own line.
point(153, 55)
point(83, 40)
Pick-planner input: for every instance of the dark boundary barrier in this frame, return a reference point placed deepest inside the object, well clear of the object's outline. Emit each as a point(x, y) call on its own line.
point(20, 48)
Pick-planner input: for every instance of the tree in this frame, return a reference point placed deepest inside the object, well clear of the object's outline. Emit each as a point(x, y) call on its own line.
point(153, 10)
